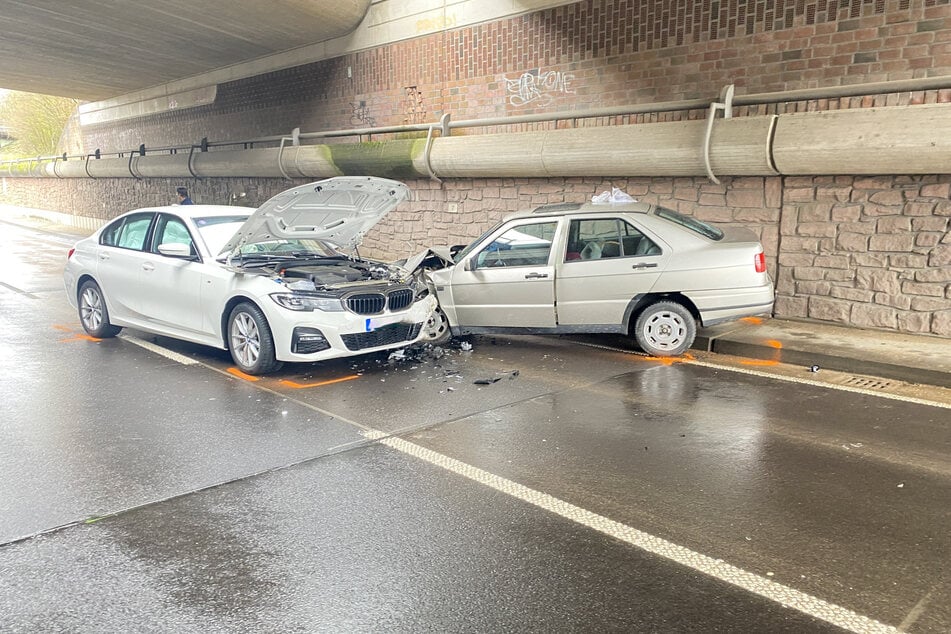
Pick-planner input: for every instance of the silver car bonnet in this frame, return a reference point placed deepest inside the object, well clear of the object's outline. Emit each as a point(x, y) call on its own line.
point(337, 210)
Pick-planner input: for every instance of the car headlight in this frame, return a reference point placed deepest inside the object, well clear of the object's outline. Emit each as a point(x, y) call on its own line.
point(293, 301)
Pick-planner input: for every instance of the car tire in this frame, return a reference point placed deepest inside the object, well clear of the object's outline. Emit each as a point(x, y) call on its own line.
point(250, 340)
point(436, 329)
point(93, 314)
point(665, 329)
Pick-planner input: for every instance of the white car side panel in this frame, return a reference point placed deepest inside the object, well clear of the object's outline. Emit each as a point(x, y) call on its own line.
point(174, 293)
point(520, 297)
point(591, 292)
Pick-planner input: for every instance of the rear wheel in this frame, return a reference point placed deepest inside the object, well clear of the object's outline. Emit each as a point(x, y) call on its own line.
point(250, 340)
point(93, 313)
point(665, 329)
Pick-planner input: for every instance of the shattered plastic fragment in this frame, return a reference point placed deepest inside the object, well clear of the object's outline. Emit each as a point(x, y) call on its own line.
point(511, 374)
point(465, 346)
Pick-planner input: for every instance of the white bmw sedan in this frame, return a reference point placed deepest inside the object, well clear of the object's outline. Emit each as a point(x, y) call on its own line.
point(275, 285)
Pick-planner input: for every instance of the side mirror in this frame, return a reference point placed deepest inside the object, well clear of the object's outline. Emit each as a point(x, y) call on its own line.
point(470, 264)
point(176, 250)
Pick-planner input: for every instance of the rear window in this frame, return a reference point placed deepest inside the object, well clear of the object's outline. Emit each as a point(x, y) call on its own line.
point(689, 222)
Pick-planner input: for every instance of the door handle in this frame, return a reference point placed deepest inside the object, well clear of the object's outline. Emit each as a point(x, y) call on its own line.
point(536, 276)
point(645, 265)
point(148, 266)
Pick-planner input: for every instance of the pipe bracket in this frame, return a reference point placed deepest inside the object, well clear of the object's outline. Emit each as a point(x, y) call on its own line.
point(191, 170)
point(280, 159)
point(726, 105)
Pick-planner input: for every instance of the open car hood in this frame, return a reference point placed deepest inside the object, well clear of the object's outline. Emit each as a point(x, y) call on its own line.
point(338, 210)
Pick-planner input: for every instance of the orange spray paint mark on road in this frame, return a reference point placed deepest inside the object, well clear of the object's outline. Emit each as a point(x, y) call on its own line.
point(669, 360)
point(241, 375)
point(773, 343)
point(299, 386)
point(80, 337)
point(756, 321)
point(62, 328)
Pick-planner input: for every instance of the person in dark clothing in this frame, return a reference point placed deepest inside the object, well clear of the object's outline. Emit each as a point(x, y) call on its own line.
point(183, 198)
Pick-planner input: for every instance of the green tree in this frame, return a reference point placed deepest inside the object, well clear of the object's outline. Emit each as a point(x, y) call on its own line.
point(34, 122)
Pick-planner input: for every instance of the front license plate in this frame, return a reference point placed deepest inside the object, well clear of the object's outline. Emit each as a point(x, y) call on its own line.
point(379, 322)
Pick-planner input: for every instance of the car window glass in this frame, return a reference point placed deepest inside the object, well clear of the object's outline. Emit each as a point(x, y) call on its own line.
point(525, 245)
point(689, 222)
point(128, 233)
point(605, 238)
point(172, 230)
point(217, 230)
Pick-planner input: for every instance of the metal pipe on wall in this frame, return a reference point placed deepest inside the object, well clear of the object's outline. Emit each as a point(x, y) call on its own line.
point(887, 140)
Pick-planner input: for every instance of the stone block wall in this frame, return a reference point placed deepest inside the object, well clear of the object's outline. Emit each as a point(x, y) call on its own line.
point(859, 251)
point(869, 252)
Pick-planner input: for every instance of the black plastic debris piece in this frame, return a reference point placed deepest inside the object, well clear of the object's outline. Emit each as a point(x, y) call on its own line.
point(511, 374)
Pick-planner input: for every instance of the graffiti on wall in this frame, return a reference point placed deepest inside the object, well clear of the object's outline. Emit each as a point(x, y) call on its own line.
point(414, 109)
point(360, 114)
point(538, 87)
point(436, 24)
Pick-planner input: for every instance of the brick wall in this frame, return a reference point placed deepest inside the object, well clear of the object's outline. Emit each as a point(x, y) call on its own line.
point(584, 55)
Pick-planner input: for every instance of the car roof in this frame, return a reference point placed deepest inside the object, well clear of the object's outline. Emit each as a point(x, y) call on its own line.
point(562, 209)
point(197, 211)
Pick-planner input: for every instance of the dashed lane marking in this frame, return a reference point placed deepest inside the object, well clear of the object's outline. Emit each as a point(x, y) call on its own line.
point(715, 568)
point(18, 291)
point(159, 350)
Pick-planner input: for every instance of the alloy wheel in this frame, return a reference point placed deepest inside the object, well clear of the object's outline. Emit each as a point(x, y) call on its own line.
point(245, 339)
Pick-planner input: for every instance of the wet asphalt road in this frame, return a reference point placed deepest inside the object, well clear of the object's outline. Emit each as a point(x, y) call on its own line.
point(141, 493)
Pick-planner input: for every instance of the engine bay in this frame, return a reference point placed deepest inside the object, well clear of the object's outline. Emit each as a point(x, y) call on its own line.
point(330, 273)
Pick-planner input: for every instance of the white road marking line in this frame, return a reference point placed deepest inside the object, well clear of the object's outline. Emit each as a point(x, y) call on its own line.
point(159, 350)
point(716, 568)
point(917, 611)
point(781, 377)
point(814, 383)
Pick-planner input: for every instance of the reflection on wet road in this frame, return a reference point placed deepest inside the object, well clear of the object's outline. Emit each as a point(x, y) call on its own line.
point(522, 484)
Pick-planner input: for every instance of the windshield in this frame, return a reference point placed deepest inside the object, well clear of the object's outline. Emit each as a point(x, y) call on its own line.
point(289, 247)
point(458, 257)
point(216, 230)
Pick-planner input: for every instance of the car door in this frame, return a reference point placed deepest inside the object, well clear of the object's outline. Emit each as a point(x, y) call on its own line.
point(508, 280)
point(119, 261)
point(608, 262)
point(173, 285)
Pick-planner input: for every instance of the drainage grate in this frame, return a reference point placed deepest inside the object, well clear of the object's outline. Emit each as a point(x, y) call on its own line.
point(871, 384)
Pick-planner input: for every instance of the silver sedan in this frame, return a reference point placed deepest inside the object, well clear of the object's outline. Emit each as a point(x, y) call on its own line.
point(629, 268)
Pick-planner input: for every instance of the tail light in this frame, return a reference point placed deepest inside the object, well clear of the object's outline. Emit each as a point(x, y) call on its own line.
point(70, 253)
point(759, 261)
